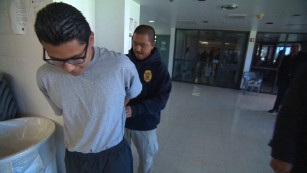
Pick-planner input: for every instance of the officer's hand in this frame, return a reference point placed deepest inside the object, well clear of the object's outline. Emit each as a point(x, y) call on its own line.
point(128, 111)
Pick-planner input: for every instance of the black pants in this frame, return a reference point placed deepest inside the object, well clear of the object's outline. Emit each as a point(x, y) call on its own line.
point(117, 159)
point(282, 89)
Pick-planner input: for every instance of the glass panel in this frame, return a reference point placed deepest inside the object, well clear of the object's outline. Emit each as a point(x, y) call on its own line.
point(209, 57)
point(269, 50)
point(185, 55)
point(209, 49)
point(232, 59)
point(217, 57)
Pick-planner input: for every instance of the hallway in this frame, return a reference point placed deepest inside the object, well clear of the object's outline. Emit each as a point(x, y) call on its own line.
point(214, 130)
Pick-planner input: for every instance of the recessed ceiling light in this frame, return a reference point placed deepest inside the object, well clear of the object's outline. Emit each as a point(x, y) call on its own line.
point(229, 6)
point(269, 23)
point(151, 21)
point(203, 42)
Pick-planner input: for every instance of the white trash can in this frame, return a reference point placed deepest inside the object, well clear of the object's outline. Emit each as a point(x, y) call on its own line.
point(27, 145)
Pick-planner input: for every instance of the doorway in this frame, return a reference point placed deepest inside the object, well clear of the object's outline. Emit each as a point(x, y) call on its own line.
point(209, 57)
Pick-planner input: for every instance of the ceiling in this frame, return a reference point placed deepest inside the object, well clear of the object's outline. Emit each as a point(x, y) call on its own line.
point(286, 15)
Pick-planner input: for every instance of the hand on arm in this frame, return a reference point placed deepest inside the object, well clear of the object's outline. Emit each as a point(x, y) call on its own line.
point(128, 111)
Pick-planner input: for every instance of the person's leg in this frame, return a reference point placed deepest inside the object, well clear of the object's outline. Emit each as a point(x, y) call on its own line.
point(120, 159)
point(281, 93)
point(128, 135)
point(282, 88)
point(146, 144)
point(70, 161)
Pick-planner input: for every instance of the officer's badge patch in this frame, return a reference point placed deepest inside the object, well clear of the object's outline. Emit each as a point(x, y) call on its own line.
point(147, 75)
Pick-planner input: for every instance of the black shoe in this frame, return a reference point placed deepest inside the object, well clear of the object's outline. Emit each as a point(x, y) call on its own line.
point(273, 111)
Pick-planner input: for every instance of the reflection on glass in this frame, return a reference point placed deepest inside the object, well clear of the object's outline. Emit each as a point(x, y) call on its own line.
point(270, 49)
point(209, 57)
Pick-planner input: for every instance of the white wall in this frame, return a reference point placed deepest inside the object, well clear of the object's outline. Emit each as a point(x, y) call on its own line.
point(134, 12)
point(86, 7)
point(20, 57)
point(112, 23)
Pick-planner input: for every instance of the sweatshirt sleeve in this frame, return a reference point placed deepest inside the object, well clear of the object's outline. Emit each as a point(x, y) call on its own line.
point(133, 85)
point(157, 99)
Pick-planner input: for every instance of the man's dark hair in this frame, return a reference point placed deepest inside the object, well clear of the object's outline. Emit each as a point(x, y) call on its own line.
point(58, 23)
point(147, 30)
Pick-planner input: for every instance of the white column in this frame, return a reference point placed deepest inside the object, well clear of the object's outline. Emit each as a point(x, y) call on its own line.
point(250, 50)
point(171, 51)
point(112, 24)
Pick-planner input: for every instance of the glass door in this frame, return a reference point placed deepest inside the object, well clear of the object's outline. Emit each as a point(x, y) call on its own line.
point(270, 48)
point(186, 55)
point(209, 48)
point(231, 59)
point(221, 58)
point(209, 57)
point(269, 51)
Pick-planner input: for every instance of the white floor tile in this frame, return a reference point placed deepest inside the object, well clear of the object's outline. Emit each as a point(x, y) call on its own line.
point(214, 130)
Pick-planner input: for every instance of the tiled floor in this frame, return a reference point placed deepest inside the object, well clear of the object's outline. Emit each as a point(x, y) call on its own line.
point(214, 130)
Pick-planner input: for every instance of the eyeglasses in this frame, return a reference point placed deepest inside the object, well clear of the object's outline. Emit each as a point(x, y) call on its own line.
point(59, 62)
point(143, 45)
